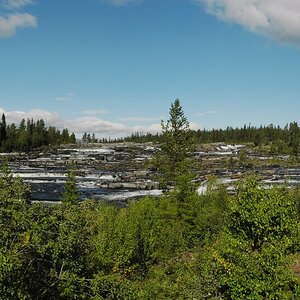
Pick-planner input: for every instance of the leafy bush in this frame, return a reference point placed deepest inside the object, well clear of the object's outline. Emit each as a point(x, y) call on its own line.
point(254, 251)
point(180, 246)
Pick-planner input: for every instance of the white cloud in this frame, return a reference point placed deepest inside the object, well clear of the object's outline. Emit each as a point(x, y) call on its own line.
point(94, 124)
point(139, 119)
point(10, 23)
point(153, 128)
point(156, 128)
point(102, 127)
point(279, 19)
point(89, 124)
point(195, 126)
point(64, 98)
point(94, 112)
point(16, 4)
point(80, 125)
point(123, 2)
point(50, 118)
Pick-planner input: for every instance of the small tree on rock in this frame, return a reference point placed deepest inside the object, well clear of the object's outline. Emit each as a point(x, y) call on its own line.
point(71, 193)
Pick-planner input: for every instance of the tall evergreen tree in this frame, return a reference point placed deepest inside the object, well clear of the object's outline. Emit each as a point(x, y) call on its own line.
point(72, 138)
point(11, 138)
point(294, 138)
point(2, 130)
point(173, 159)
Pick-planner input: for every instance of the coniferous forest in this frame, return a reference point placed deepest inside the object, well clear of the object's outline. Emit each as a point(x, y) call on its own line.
point(182, 245)
point(30, 135)
point(284, 140)
point(281, 140)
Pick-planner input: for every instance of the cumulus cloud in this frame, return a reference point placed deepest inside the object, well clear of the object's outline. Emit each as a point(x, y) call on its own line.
point(79, 125)
point(279, 19)
point(156, 128)
point(195, 126)
point(94, 124)
point(153, 128)
point(100, 127)
point(16, 4)
point(50, 118)
point(89, 124)
point(10, 23)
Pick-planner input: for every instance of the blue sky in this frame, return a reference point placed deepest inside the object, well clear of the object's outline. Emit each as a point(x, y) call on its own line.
point(113, 66)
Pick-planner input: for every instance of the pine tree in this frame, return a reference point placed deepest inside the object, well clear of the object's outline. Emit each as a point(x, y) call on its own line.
point(84, 137)
point(72, 138)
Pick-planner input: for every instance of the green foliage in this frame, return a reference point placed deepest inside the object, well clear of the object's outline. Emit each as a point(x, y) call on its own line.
point(31, 135)
point(254, 251)
point(88, 138)
point(177, 278)
point(173, 159)
point(210, 213)
point(242, 158)
point(294, 138)
point(273, 139)
point(253, 274)
point(138, 236)
point(71, 192)
point(179, 246)
point(262, 215)
point(12, 189)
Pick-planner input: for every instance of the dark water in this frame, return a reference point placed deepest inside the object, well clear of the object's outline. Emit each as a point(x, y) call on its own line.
point(52, 191)
point(47, 184)
point(46, 172)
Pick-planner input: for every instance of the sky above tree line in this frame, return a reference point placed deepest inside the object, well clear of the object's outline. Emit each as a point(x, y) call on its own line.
point(113, 67)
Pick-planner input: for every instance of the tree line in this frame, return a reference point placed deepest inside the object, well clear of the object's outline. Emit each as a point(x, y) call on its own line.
point(280, 139)
point(30, 135)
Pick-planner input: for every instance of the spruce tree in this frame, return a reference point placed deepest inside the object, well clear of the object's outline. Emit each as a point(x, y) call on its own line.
point(173, 161)
point(2, 130)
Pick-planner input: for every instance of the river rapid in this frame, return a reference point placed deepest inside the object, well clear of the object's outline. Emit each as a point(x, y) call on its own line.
point(102, 173)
